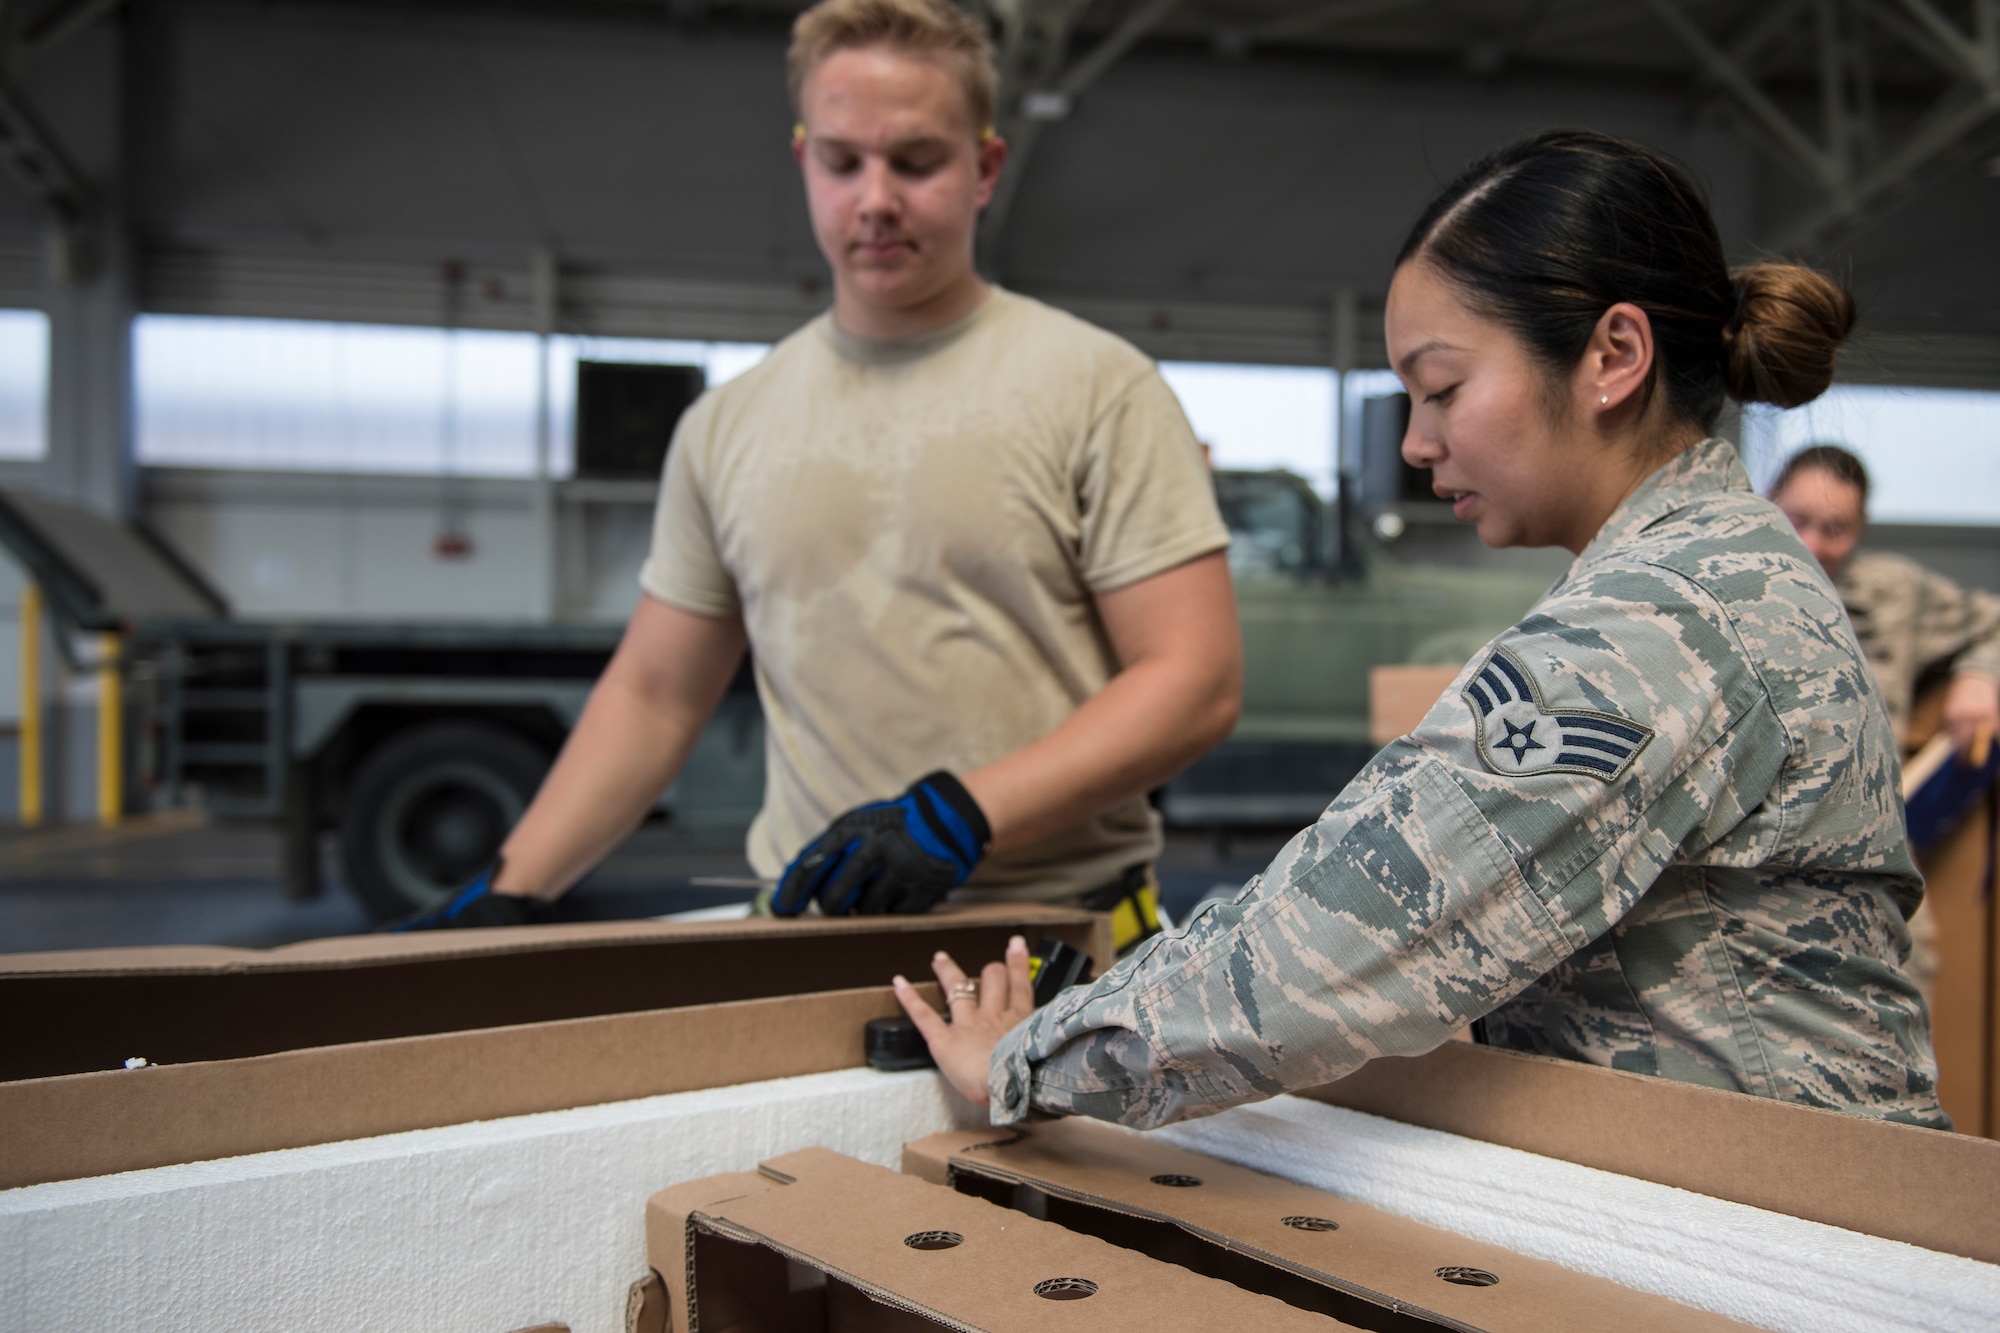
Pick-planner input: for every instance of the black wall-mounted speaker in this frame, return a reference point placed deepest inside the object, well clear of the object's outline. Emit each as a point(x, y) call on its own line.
point(625, 416)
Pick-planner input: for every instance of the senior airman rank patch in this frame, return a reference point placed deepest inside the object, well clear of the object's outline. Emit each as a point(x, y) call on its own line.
point(1518, 733)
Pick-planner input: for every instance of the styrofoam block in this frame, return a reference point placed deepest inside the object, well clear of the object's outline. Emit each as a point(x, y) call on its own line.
point(510, 1223)
point(478, 1228)
point(1760, 1267)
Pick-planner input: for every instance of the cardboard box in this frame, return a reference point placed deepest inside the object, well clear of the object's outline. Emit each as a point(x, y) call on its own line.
point(1899, 1182)
point(1312, 1250)
point(1399, 696)
point(97, 1008)
point(816, 1241)
point(1965, 1002)
point(348, 1038)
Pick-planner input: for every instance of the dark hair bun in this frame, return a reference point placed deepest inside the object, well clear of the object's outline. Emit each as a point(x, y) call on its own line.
point(1789, 325)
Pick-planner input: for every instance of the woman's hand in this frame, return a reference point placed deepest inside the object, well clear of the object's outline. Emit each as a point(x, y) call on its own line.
point(1971, 710)
point(982, 1012)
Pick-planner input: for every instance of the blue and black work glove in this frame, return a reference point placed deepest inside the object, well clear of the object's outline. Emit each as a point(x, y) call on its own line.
point(478, 905)
point(903, 855)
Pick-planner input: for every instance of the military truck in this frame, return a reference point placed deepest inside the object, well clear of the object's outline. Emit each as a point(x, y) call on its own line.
point(417, 746)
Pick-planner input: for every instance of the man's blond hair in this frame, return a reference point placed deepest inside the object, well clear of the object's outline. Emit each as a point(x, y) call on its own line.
point(937, 29)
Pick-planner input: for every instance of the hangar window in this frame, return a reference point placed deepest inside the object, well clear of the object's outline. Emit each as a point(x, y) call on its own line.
point(300, 395)
point(1930, 452)
point(24, 383)
point(1258, 417)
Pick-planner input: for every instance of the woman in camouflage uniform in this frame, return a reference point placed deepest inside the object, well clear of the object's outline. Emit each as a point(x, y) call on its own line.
point(1654, 825)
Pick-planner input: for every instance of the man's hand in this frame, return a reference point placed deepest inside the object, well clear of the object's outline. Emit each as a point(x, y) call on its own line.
point(479, 904)
point(982, 1012)
point(903, 855)
point(1972, 710)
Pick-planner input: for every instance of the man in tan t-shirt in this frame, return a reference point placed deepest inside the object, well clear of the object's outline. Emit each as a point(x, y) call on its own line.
point(971, 540)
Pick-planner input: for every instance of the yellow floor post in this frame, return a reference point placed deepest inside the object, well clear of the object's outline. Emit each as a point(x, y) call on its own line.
point(31, 706)
point(110, 735)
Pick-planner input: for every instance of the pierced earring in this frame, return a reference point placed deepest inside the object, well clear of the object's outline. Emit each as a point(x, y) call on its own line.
point(1605, 399)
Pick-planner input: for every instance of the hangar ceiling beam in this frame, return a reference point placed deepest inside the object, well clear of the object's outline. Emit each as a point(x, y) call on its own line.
point(1036, 89)
point(35, 155)
point(1321, 17)
point(1108, 52)
point(1849, 162)
point(1941, 133)
point(1777, 20)
point(60, 22)
point(1968, 104)
point(30, 149)
point(1889, 16)
point(1818, 165)
point(1977, 54)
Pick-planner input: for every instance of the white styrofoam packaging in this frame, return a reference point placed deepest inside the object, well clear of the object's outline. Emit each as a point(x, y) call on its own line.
point(1760, 1267)
point(536, 1219)
point(484, 1228)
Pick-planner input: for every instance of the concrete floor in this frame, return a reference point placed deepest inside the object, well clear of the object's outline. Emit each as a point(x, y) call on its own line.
point(179, 880)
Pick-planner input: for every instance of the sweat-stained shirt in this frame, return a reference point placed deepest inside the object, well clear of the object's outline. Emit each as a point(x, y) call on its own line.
point(913, 533)
point(1654, 826)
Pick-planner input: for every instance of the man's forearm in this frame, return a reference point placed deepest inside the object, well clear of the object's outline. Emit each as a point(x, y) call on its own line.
point(621, 756)
point(634, 735)
point(1178, 695)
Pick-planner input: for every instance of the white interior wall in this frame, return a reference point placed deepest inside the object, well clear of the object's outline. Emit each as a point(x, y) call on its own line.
point(600, 546)
point(305, 546)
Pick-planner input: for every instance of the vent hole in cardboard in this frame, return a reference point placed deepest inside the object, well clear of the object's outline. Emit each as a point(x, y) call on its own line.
point(1467, 1277)
point(1178, 1182)
point(1166, 1241)
point(1065, 1288)
point(933, 1240)
point(1301, 1222)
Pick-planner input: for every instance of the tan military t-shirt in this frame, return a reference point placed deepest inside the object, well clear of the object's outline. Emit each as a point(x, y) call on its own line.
point(912, 532)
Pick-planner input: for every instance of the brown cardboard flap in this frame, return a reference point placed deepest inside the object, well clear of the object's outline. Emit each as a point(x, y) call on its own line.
point(95, 1009)
point(94, 1124)
point(1370, 1268)
point(1399, 696)
point(817, 1241)
point(930, 1158)
point(646, 1305)
point(1895, 1181)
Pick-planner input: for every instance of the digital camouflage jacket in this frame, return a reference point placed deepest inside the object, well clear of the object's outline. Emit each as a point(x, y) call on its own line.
point(1910, 620)
point(1654, 826)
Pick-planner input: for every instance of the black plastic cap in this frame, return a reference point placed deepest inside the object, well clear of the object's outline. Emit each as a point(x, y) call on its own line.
point(895, 1043)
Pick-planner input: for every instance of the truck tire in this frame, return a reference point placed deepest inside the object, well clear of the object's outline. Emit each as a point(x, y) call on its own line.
point(428, 809)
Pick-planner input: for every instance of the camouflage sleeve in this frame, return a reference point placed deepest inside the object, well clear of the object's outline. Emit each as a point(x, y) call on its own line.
point(1536, 803)
point(1958, 622)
